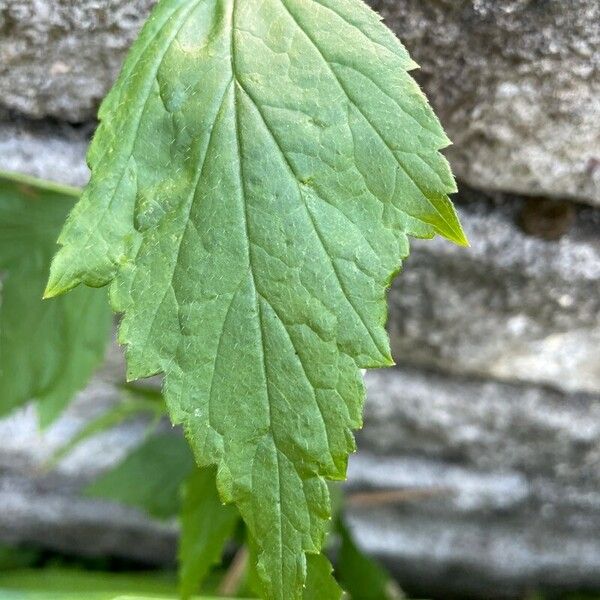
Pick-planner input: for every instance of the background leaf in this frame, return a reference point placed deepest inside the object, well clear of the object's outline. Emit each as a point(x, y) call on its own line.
point(67, 584)
point(206, 526)
point(259, 168)
point(320, 582)
point(48, 349)
point(150, 477)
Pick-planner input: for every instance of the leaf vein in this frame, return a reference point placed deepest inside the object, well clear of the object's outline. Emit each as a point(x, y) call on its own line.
point(320, 238)
point(351, 100)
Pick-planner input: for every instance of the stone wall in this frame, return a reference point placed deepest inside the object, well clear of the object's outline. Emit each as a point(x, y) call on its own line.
point(488, 430)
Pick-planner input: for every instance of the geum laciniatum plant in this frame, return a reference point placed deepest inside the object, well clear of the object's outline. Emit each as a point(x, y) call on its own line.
point(256, 175)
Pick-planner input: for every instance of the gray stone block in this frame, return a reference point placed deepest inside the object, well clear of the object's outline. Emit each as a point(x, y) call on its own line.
point(58, 58)
point(52, 151)
point(513, 306)
point(490, 489)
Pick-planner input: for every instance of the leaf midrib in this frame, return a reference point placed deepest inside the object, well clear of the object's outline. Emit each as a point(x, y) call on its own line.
point(256, 298)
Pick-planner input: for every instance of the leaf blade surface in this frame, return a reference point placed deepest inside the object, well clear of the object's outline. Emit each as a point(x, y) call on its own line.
point(48, 350)
point(206, 526)
point(149, 477)
point(276, 156)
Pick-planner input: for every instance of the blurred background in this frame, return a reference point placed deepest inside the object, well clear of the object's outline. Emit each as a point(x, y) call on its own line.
point(478, 474)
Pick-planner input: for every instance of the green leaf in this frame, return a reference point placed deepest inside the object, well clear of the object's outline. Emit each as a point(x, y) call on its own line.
point(206, 526)
point(12, 558)
point(157, 598)
point(320, 583)
point(258, 170)
point(48, 350)
point(67, 583)
point(52, 583)
point(360, 575)
point(150, 477)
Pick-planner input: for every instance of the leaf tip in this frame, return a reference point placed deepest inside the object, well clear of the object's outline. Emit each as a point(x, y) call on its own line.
point(450, 227)
point(457, 236)
point(56, 287)
point(57, 284)
point(460, 238)
point(52, 290)
point(466, 243)
point(412, 65)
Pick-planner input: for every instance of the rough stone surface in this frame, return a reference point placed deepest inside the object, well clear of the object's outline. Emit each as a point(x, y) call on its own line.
point(509, 480)
point(511, 80)
point(513, 306)
point(53, 151)
point(517, 85)
point(58, 58)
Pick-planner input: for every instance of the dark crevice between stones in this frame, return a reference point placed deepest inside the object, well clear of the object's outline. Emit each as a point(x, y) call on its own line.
point(545, 218)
